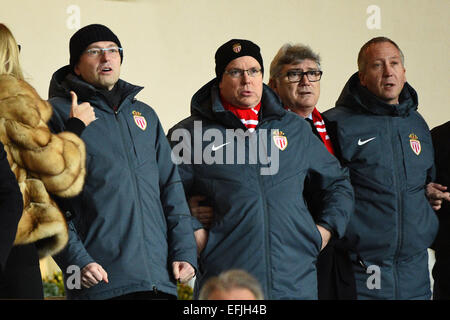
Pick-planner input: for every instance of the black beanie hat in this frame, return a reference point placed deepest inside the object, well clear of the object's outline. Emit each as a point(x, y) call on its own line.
point(87, 35)
point(233, 49)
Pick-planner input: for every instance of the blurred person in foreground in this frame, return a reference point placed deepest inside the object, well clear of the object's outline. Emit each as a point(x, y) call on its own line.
point(232, 285)
point(44, 165)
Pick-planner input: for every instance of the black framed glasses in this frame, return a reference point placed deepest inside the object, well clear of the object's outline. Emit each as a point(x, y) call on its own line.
point(238, 73)
point(297, 75)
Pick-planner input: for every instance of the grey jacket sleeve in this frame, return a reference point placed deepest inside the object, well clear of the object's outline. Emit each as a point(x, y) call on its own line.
point(181, 241)
point(330, 184)
point(181, 143)
point(74, 253)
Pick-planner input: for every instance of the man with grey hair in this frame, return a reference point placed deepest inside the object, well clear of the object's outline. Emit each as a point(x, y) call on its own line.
point(295, 74)
point(387, 147)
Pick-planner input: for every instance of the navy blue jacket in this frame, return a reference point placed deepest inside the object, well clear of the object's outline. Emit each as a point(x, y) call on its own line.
point(262, 223)
point(131, 217)
point(389, 153)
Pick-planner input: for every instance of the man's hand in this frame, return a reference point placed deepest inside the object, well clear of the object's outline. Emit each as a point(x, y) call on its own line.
point(204, 214)
point(201, 238)
point(84, 112)
point(183, 271)
point(435, 193)
point(92, 274)
point(326, 235)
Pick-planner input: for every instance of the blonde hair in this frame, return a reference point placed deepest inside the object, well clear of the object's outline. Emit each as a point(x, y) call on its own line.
point(9, 54)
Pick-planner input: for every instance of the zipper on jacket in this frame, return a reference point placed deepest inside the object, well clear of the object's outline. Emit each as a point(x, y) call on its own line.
point(266, 227)
point(130, 167)
point(395, 159)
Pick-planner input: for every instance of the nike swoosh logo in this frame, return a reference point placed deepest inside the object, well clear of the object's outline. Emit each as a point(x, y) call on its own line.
point(361, 142)
point(214, 148)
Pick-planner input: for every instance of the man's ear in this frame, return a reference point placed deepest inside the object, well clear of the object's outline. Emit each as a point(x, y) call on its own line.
point(362, 78)
point(76, 70)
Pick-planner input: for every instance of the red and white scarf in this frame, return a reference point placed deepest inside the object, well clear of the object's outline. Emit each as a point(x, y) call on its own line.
point(322, 130)
point(248, 116)
point(319, 124)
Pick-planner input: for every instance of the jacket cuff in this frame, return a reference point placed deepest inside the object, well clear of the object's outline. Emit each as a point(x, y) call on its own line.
point(75, 125)
point(329, 228)
point(196, 225)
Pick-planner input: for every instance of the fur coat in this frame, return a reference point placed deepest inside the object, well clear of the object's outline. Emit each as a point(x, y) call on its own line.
point(43, 163)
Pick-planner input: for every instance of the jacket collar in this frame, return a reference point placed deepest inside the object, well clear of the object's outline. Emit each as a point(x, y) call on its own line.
point(359, 98)
point(63, 81)
point(206, 103)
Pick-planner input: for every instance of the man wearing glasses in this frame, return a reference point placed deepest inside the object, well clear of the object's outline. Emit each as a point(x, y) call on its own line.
point(130, 231)
point(295, 74)
point(260, 222)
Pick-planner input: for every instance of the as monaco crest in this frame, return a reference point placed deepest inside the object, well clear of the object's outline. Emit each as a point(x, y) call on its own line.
point(415, 143)
point(237, 47)
point(280, 140)
point(139, 120)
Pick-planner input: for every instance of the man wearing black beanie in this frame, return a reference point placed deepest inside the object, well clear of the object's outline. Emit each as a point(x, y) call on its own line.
point(233, 49)
point(130, 232)
point(244, 166)
point(87, 35)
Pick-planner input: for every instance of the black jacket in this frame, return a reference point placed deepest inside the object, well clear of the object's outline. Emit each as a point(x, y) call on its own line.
point(441, 143)
point(11, 208)
point(20, 277)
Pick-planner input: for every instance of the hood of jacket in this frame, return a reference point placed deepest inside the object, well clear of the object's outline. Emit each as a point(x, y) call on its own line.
point(206, 104)
point(358, 98)
point(63, 81)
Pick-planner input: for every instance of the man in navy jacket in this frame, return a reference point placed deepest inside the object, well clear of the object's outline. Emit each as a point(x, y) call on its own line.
point(252, 160)
point(130, 231)
point(387, 147)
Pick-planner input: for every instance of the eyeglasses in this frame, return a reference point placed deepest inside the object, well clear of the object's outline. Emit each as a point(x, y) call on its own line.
point(238, 73)
point(97, 52)
point(297, 75)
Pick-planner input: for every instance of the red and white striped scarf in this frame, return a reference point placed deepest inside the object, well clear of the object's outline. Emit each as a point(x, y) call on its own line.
point(248, 116)
point(322, 130)
point(319, 124)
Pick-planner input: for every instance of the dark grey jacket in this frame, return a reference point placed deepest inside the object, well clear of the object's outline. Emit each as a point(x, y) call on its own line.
point(131, 217)
point(389, 153)
point(262, 223)
point(11, 205)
